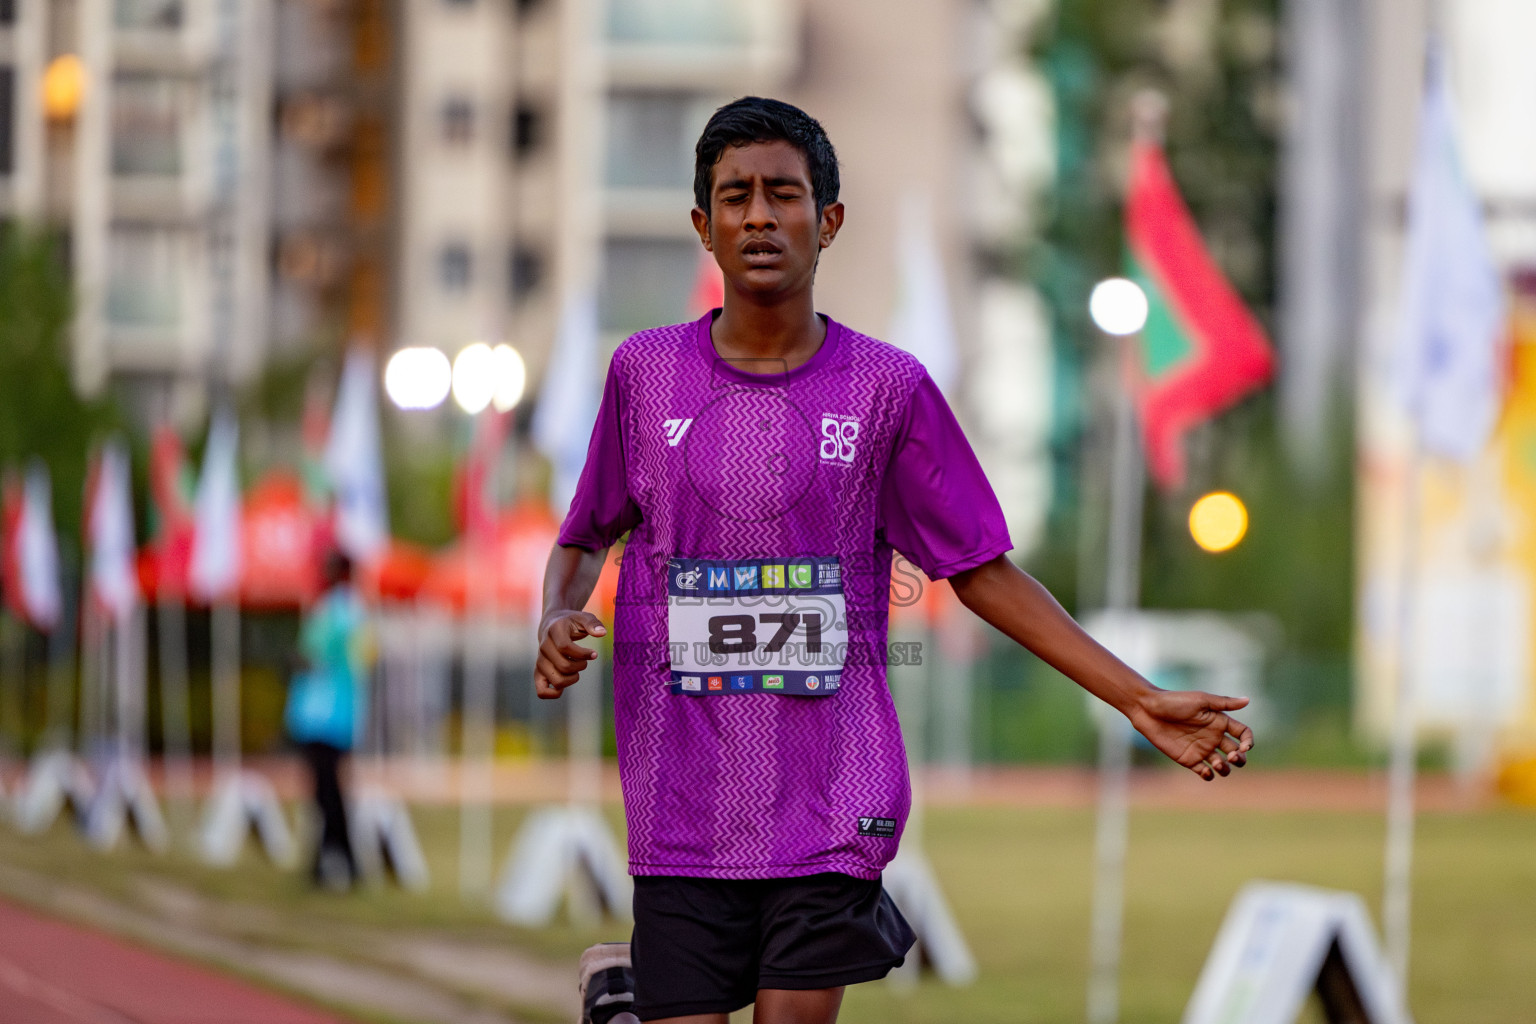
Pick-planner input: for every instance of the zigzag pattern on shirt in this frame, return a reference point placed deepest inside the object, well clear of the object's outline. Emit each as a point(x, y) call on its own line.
point(756, 785)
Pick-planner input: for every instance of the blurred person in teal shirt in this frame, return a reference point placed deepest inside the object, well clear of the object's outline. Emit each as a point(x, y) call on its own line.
point(327, 705)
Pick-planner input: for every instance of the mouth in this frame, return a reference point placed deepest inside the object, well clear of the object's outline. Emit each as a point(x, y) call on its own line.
point(760, 252)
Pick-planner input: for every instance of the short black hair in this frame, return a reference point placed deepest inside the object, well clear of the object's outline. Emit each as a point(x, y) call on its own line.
point(756, 119)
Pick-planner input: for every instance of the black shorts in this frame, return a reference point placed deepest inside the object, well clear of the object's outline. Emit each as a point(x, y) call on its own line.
point(706, 945)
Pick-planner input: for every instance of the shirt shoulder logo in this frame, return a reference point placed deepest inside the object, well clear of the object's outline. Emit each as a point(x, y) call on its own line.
point(839, 436)
point(676, 429)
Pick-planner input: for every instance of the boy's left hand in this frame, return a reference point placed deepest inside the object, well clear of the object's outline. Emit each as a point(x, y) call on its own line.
point(1194, 729)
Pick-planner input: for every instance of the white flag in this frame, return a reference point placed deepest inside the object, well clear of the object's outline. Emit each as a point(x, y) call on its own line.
point(922, 324)
point(569, 398)
point(354, 460)
point(1446, 364)
point(110, 527)
point(215, 569)
point(37, 552)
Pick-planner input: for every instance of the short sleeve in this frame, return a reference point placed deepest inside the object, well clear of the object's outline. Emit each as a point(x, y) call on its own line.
point(601, 509)
point(936, 506)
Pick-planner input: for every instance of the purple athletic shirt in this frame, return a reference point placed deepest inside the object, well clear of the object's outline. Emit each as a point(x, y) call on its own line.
point(762, 509)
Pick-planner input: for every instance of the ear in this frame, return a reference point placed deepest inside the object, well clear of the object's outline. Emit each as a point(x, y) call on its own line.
point(831, 223)
point(701, 225)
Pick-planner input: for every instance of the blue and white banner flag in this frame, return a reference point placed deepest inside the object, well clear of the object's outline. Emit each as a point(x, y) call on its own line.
point(1446, 365)
point(923, 323)
point(569, 397)
point(37, 552)
point(215, 569)
point(109, 529)
point(354, 460)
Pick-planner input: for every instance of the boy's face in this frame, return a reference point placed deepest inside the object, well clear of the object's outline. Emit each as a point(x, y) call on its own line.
point(763, 227)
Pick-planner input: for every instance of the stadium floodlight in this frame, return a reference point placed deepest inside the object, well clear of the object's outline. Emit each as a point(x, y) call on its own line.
point(1118, 306)
point(1218, 521)
point(510, 376)
point(474, 381)
point(417, 378)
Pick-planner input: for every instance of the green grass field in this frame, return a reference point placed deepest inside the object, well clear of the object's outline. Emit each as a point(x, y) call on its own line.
point(1019, 882)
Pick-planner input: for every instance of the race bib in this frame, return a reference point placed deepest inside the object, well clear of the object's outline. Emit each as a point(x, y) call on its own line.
point(756, 625)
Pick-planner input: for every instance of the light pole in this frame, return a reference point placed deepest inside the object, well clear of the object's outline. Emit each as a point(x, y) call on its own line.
point(1118, 307)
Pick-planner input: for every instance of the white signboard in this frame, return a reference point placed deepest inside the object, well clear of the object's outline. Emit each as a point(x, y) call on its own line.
point(1281, 941)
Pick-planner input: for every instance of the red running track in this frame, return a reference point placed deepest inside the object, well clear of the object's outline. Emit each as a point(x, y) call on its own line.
point(52, 972)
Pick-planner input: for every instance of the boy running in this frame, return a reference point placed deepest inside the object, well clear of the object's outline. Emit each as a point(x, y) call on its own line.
point(765, 461)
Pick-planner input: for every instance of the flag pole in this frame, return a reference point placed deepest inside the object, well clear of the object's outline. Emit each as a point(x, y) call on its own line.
point(477, 718)
point(15, 704)
point(1123, 585)
point(176, 741)
point(1122, 595)
point(1397, 892)
point(226, 688)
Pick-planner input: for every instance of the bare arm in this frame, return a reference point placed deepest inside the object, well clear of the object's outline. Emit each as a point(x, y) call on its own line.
point(1190, 727)
point(569, 577)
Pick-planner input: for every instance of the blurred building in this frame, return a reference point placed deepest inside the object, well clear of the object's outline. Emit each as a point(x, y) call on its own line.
point(548, 145)
point(140, 127)
point(243, 178)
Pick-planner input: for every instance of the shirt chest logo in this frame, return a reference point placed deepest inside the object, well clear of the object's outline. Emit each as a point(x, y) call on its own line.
point(676, 429)
point(839, 438)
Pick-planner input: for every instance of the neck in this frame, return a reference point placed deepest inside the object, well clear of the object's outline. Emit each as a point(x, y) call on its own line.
point(787, 331)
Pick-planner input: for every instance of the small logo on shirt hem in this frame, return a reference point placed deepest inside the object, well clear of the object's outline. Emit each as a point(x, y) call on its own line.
point(881, 828)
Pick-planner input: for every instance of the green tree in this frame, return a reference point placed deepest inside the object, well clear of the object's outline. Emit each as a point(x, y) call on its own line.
point(40, 413)
point(1218, 64)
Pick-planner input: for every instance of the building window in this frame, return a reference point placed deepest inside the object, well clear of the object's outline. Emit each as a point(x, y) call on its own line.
point(670, 22)
point(646, 282)
point(528, 131)
point(149, 14)
point(458, 121)
point(7, 119)
point(651, 136)
point(146, 126)
point(526, 272)
point(145, 270)
point(7, 12)
point(453, 267)
point(527, 7)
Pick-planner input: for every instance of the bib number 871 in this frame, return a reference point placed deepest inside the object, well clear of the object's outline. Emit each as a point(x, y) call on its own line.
point(737, 634)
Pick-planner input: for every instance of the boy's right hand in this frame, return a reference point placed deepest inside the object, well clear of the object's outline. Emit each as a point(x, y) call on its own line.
point(561, 659)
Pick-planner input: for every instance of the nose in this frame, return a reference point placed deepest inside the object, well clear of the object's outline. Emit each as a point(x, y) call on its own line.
point(759, 212)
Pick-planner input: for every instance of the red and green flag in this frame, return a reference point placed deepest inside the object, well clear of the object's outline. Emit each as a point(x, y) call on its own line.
point(1202, 350)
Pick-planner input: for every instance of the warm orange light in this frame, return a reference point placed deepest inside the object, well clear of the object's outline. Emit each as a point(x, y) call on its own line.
point(1218, 521)
point(64, 86)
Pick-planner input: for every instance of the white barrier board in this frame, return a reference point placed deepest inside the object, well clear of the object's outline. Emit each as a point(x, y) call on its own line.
point(1277, 942)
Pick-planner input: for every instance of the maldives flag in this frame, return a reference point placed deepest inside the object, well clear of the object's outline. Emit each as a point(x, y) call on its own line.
point(170, 486)
point(1202, 350)
point(476, 500)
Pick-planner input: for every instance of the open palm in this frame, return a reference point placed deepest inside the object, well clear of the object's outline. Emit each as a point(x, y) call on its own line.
point(1194, 729)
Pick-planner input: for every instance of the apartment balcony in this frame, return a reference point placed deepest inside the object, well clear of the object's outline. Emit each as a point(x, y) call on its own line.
point(700, 44)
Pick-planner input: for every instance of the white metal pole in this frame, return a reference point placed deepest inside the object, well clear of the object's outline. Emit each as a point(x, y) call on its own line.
point(175, 724)
point(14, 706)
point(1122, 593)
point(60, 722)
point(477, 731)
point(226, 688)
point(1397, 891)
point(478, 716)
